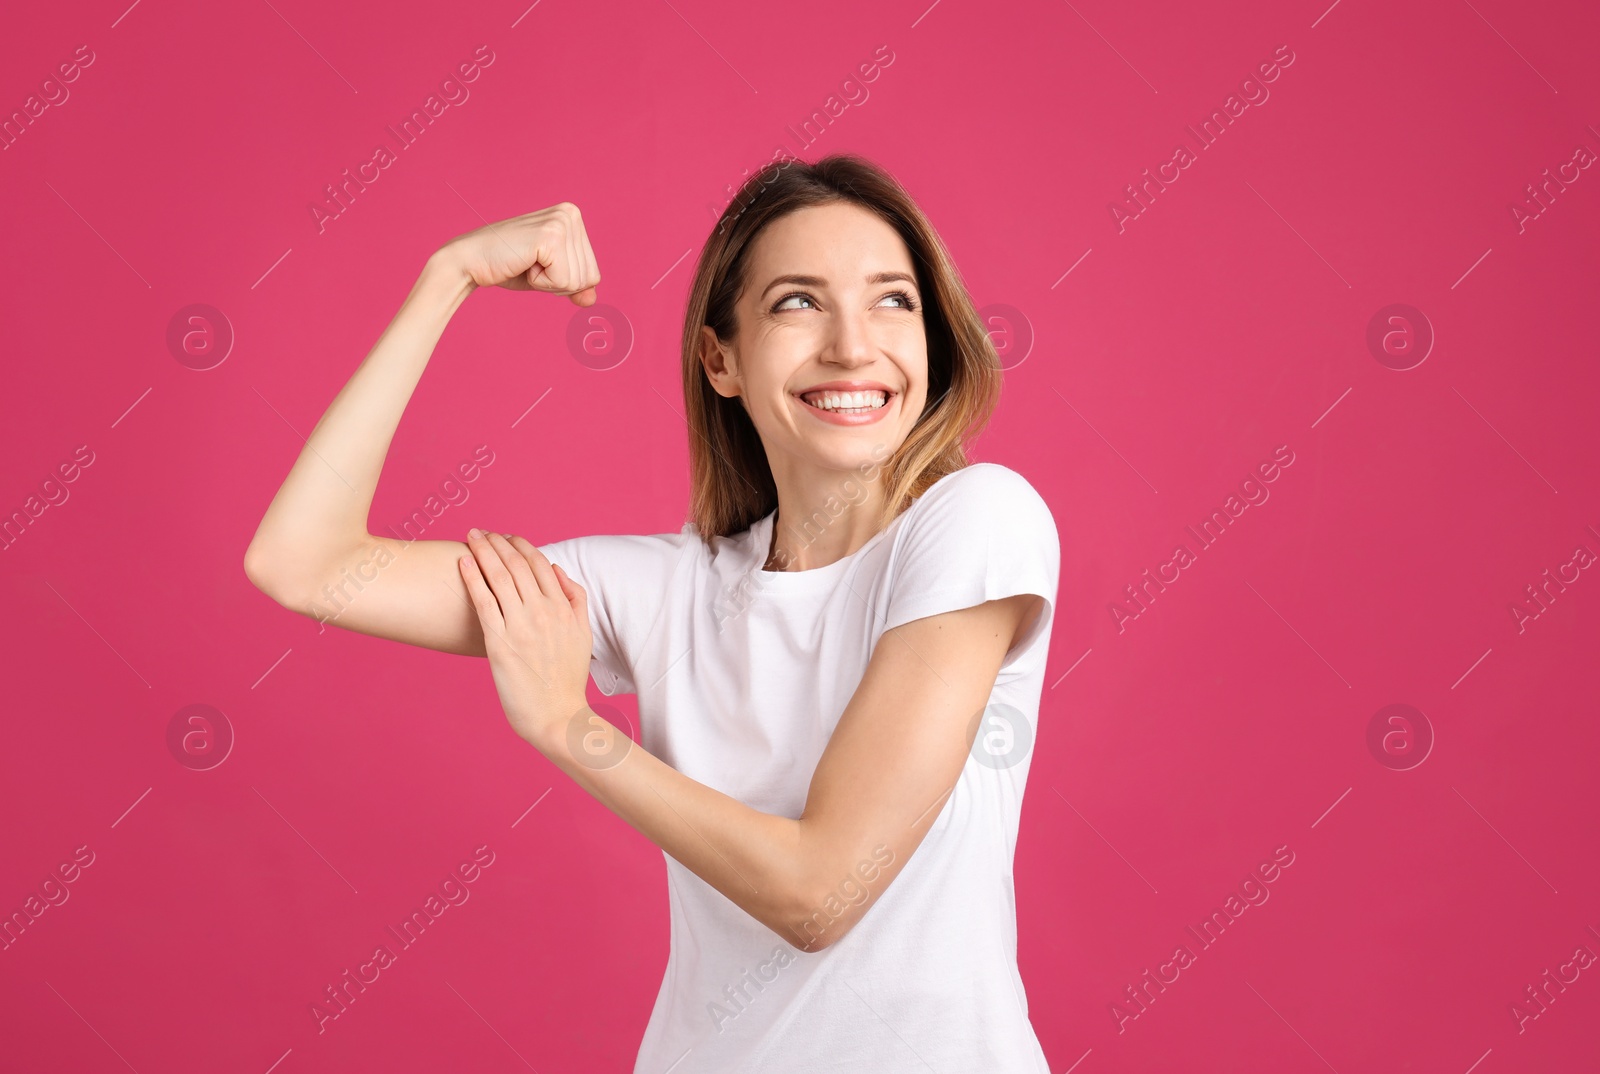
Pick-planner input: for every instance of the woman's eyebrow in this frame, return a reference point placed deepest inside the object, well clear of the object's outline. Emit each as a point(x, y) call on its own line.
point(818, 281)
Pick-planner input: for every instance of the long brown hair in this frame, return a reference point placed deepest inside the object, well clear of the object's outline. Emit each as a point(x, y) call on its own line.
point(732, 484)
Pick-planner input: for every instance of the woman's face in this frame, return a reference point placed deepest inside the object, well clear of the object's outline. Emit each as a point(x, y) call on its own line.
point(831, 359)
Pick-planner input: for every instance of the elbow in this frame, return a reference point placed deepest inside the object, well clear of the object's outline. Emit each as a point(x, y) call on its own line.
point(805, 939)
point(265, 571)
point(804, 935)
point(819, 919)
point(258, 569)
point(827, 898)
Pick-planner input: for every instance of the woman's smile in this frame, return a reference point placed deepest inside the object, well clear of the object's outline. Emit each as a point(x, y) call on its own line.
point(848, 402)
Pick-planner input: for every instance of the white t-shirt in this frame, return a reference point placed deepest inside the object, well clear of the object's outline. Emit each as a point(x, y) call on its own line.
point(741, 675)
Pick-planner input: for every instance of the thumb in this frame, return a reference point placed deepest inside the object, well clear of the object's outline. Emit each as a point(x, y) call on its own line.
point(574, 592)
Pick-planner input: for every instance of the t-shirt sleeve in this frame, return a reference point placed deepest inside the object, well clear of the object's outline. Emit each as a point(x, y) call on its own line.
point(980, 534)
point(626, 578)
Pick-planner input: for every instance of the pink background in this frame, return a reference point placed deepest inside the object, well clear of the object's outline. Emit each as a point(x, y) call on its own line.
point(1168, 359)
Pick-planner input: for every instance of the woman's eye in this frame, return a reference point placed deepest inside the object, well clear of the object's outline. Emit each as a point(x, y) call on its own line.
point(906, 301)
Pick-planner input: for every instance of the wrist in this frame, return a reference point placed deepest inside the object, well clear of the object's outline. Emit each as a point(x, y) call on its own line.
point(444, 276)
point(580, 736)
point(547, 729)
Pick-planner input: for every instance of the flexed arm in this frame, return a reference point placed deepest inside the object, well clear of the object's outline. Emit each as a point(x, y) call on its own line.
point(895, 754)
point(315, 530)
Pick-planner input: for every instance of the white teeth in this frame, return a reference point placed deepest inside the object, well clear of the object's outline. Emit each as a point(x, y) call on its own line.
point(866, 400)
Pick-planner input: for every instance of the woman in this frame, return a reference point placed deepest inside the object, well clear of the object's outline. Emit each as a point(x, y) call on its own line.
point(838, 659)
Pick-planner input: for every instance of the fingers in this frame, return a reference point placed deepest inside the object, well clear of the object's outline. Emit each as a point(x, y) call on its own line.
point(496, 573)
point(527, 586)
point(562, 258)
point(540, 566)
point(574, 592)
point(536, 273)
point(552, 269)
point(483, 601)
point(583, 274)
point(576, 270)
point(591, 267)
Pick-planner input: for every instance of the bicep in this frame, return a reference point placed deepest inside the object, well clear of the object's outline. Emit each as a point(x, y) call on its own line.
point(409, 592)
point(903, 739)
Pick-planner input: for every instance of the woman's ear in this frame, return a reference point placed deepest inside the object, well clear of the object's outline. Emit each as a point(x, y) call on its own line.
point(714, 359)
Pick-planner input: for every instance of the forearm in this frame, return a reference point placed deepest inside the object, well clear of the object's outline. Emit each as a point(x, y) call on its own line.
point(764, 864)
point(810, 878)
point(320, 512)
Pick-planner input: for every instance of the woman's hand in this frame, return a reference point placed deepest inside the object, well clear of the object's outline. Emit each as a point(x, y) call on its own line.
point(535, 631)
point(543, 251)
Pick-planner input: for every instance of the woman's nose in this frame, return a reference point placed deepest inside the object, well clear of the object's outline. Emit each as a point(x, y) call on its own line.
point(851, 341)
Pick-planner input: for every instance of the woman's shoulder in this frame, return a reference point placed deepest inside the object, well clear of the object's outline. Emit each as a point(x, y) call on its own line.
point(986, 489)
point(983, 508)
point(977, 534)
point(640, 553)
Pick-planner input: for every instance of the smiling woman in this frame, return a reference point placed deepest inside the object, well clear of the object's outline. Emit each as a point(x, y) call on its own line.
point(891, 599)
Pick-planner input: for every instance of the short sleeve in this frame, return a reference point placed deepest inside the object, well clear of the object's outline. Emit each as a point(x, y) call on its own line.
point(627, 578)
point(980, 534)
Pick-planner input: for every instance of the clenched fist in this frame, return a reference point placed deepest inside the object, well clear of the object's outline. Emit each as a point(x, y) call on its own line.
point(546, 250)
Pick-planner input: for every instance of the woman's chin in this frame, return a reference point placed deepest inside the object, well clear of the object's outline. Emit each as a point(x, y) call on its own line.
point(860, 455)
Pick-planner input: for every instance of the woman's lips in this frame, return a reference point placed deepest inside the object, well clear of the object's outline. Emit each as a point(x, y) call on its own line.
point(865, 417)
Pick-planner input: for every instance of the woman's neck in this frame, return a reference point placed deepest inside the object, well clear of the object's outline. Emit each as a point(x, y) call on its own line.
point(824, 519)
